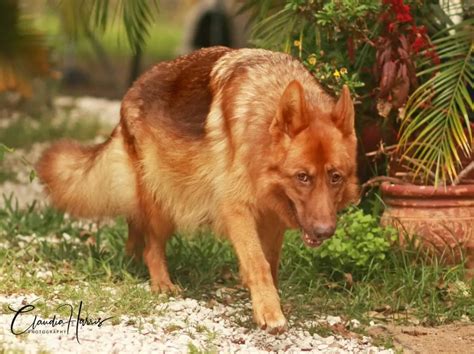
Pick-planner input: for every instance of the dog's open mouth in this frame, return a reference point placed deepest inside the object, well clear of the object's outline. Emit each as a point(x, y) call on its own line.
point(310, 241)
point(307, 239)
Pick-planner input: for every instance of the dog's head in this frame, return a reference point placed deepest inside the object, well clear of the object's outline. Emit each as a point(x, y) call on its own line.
point(316, 167)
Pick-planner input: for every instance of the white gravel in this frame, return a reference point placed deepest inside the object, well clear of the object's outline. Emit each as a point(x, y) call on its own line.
point(178, 325)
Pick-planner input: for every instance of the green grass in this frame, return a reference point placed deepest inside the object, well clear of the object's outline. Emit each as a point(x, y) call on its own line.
point(408, 286)
point(6, 174)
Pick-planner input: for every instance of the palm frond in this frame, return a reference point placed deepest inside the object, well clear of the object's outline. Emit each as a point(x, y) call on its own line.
point(274, 31)
point(136, 15)
point(436, 129)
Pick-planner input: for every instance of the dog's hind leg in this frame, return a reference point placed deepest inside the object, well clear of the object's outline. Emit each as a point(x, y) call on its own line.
point(158, 229)
point(136, 239)
point(271, 233)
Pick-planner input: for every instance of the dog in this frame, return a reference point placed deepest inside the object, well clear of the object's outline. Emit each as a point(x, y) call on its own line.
point(242, 140)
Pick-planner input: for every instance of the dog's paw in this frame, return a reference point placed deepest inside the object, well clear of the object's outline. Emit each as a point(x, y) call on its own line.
point(272, 321)
point(166, 288)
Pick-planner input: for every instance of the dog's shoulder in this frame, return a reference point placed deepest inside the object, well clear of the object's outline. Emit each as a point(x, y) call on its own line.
point(175, 95)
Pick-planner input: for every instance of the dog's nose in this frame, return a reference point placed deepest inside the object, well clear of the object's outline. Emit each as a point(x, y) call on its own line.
point(324, 230)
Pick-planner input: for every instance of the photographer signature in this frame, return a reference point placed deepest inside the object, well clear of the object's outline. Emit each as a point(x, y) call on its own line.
point(77, 322)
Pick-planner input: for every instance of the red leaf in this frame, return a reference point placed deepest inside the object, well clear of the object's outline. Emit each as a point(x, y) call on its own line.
point(401, 89)
point(389, 72)
point(403, 54)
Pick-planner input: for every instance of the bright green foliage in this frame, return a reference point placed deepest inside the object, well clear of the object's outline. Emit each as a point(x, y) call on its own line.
point(346, 13)
point(332, 77)
point(318, 32)
point(358, 245)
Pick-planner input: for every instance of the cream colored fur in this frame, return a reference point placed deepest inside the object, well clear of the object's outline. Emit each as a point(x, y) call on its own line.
point(87, 184)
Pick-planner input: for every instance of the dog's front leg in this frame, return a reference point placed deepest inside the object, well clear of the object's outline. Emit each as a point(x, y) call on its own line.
point(255, 270)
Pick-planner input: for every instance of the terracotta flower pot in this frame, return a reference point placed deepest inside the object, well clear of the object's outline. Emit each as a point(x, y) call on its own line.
point(442, 217)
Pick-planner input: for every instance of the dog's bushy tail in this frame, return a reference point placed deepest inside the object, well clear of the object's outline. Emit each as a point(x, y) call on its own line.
point(89, 181)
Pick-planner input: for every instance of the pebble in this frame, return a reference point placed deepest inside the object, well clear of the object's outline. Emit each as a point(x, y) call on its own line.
point(304, 344)
point(44, 274)
point(332, 320)
point(329, 340)
point(355, 323)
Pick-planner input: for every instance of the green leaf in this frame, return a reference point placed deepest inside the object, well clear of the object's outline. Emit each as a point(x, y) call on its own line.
point(4, 149)
point(32, 175)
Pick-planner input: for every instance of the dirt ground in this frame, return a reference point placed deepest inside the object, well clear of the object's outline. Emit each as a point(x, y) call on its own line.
point(452, 338)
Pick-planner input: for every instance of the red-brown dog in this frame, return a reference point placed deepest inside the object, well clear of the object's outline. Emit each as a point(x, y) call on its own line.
point(245, 141)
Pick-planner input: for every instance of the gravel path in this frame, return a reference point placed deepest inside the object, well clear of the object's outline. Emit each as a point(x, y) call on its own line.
point(179, 324)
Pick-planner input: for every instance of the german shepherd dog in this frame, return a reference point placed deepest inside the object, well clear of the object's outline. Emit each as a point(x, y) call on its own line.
point(245, 141)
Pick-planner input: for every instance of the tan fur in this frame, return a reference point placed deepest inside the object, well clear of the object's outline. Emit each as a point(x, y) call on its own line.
point(90, 181)
point(217, 138)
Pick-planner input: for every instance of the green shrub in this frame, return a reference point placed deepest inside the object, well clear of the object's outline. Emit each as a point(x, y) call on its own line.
point(359, 245)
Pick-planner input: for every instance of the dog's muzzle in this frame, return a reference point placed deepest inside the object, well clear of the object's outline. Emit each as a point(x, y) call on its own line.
point(318, 236)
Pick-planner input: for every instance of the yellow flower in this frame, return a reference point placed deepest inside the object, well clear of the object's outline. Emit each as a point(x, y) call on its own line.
point(337, 74)
point(343, 71)
point(297, 43)
point(312, 60)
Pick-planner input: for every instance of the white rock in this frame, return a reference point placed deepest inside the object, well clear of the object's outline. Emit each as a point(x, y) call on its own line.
point(47, 274)
point(329, 340)
point(332, 320)
point(304, 344)
point(355, 323)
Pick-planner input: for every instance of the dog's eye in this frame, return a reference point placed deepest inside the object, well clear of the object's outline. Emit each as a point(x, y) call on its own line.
point(335, 177)
point(303, 177)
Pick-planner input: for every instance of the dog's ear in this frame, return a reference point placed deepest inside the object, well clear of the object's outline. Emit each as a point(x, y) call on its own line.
point(343, 113)
point(292, 117)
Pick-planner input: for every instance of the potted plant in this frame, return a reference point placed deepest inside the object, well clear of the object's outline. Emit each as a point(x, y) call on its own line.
point(433, 163)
